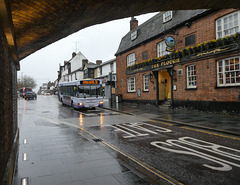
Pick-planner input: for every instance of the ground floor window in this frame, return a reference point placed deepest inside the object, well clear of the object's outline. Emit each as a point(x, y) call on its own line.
point(228, 72)
point(191, 76)
point(145, 82)
point(131, 84)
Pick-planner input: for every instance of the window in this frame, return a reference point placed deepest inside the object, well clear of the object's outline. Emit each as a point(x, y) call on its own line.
point(228, 72)
point(161, 49)
point(131, 59)
point(131, 84)
point(100, 70)
point(227, 25)
point(167, 16)
point(145, 82)
point(111, 67)
point(134, 35)
point(190, 40)
point(191, 76)
point(145, 56)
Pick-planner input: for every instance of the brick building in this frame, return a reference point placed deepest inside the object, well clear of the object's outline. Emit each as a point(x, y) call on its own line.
point(201, 71)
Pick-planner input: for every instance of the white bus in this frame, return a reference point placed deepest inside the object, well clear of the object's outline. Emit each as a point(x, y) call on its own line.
point(81, 94)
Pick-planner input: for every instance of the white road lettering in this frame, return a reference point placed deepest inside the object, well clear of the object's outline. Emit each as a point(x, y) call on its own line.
point(172, 145)
point(130, 129)
point(121, 130)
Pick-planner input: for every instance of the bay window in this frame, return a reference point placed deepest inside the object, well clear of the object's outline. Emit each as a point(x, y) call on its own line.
point(228, 72)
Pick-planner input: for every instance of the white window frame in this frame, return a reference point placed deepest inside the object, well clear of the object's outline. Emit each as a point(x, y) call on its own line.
point(228, 25)
point(167, 16)
point(131, 60)
point(145, 82)
point(191, 77)
point(134, 35)
point(228, 71)
point(161, 49)
point(131, 83)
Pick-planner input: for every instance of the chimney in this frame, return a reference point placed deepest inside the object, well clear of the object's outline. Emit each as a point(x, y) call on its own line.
point(98, 62)
point(73, 54)
point(133, 23)
point(84, 61)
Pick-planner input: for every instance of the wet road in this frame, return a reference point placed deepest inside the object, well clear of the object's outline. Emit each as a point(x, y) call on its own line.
point(175, 154)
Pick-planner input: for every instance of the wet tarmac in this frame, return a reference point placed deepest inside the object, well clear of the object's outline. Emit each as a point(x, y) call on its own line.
point(52, 153)
point(131, 145)
point(227, 123)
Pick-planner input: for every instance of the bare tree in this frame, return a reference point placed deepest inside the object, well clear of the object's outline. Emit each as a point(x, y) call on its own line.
point(27, 81)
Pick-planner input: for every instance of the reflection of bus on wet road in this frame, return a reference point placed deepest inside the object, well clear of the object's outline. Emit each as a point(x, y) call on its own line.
point(24, 90)
point(81, 93)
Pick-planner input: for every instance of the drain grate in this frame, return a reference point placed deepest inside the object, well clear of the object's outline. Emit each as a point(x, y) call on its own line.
point(97, 140)
point(45, 111)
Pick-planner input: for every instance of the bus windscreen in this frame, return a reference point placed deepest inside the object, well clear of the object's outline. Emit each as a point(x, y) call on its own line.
point(85, 91)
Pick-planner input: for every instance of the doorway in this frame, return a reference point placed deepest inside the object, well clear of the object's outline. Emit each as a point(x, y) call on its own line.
point(164, 84)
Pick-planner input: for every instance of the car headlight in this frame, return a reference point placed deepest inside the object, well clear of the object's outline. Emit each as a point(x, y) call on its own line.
point(101, 102)
point(80, 104)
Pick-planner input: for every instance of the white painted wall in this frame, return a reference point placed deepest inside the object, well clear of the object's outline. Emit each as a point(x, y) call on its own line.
point(76, 62)
point(106, 69)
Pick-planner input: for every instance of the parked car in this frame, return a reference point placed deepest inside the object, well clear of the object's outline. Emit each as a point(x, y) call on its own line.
point(46, 93)
point(30, 95)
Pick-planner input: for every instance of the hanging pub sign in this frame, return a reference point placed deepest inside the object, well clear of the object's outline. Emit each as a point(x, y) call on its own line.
point(170, 42)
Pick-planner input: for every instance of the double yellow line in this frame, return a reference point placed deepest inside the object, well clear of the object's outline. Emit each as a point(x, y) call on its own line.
point(137, 161)
point(197, 130)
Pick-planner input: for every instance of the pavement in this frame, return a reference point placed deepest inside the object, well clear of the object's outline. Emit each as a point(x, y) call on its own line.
point(216, 122)
point(56, 154)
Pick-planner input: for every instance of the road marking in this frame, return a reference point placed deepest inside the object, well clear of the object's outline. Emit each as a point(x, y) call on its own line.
point(24, 181)
point(179, 146)
point(142, 164)
point(211, 133)
point(24, 157)
point(161, 122)
point(25, 141)
point(145, 128)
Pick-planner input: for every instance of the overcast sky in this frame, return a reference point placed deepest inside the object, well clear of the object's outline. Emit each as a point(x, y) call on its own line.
point(99, 42)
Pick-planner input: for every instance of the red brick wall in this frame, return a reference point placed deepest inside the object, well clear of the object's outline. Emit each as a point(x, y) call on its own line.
point(8, 103)
point(207, 89)
point(204, 28)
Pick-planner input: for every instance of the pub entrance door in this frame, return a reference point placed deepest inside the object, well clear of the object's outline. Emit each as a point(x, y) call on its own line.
point(164, 84)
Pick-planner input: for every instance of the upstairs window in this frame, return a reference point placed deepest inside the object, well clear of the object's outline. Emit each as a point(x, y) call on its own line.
point(161, 49)
point(131, 59)
point(134, 35)
point(145, 56)
point(227, 25)
point(111, 67)
point(190, 40)
point(100, 70)
point(167, 16)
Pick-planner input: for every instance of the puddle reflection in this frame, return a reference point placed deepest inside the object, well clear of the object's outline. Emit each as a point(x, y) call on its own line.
point(81, 119)
point(101, 120)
